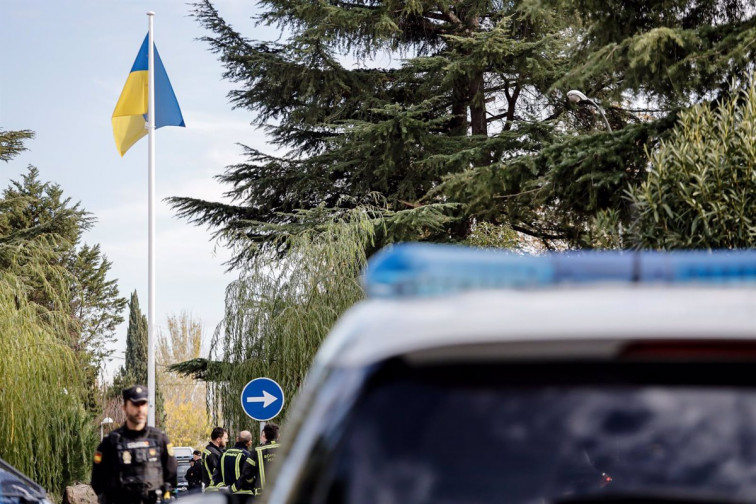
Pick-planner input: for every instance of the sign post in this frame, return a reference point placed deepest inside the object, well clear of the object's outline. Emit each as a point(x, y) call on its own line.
point(262, 399)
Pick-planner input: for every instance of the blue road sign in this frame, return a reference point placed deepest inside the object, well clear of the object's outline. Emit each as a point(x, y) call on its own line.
point(262, 399)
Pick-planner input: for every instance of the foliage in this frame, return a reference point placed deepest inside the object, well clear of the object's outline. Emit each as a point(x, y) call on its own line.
point(465, 135)
point(45, 430)
point(40, 234)
point(134, 369)
point(472, 87)
point(555, 193)
point(701, 188)
point(279, 310)
point(187, 421)
point(12, 143)
point(57, 310)
point(94, 302)
point(135, 359)
point(488, 235)
point(469, 119)
point(674, 51)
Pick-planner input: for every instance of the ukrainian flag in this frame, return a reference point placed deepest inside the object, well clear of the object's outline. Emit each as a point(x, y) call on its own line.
point(130, 113)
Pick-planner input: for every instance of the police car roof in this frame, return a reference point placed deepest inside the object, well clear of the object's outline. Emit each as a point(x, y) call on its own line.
point(441, 302)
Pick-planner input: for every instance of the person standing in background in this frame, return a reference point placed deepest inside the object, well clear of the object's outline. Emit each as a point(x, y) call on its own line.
point(211, 455)
point(134, 464)
point(194, 473)
point(265, 454)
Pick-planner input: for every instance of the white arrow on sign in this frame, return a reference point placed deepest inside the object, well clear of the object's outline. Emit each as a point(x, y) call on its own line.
point(267, 399)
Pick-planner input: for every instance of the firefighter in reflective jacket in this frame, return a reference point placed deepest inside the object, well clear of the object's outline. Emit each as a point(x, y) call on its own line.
point(135, 463)
point(236, 471)
point(211, 456)
point(265, 454)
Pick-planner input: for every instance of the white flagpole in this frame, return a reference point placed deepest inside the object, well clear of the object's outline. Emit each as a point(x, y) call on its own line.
point(151, 223)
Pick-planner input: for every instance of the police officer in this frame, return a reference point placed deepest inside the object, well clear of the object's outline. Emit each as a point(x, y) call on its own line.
point(211, 456)
point(135, 463)
point(193, 475)
point(265, 454)
point(236, 471)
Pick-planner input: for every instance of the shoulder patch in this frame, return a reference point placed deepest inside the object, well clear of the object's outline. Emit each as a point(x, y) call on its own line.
point(97, 457)
point(169, 447)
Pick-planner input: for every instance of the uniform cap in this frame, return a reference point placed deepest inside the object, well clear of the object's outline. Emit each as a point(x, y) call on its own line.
point(135, 394)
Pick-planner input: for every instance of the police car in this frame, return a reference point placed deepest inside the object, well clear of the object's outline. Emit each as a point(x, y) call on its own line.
point(17, 488)
point(472, 376)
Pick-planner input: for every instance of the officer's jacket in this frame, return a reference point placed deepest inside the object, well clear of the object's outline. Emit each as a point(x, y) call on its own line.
point(265, 455)
point(128, 465)
point(211, 456)
point(194, 475)
point(236, 470)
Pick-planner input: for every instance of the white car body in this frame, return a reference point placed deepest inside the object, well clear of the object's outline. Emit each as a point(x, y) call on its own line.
point(466, 321)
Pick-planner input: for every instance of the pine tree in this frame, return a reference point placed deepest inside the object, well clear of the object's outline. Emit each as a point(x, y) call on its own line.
point(472, 86)
point(646, 61)
point(95, 302)
point(472, 124)
point(12, 143)
point(40, 243)
point(38, 366)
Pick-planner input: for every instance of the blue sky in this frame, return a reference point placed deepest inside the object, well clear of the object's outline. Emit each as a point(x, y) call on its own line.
point(62, 67)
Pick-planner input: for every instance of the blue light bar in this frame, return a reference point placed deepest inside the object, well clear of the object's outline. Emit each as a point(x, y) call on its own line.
point(416, 269)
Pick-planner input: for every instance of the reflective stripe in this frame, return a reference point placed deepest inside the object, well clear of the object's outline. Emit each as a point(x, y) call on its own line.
point(232, 460)
point(223, 468)
point(261, 450)
point(237, 466)
point(261, 483)
point(252, 463)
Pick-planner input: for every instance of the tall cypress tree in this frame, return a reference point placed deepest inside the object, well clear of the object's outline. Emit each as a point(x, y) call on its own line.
point(135, 359)
point(134, 368)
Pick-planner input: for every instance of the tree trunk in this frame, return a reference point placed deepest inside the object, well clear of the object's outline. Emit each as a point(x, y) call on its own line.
point(458, 126)
point(478, 114)
point(478, 105)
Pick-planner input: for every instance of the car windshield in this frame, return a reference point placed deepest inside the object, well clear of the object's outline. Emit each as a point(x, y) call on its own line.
point(546, 433)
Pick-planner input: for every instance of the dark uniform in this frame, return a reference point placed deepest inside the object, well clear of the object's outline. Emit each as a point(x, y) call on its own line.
point(134, 466)
point(194, 477)
point(211, 456)
point(236, 471)
point(265, 455)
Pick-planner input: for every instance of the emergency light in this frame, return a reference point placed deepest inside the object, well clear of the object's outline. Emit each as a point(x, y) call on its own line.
point(417, 269)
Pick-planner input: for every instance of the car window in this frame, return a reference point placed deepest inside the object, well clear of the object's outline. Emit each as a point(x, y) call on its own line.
point(182, 468)
point(541, 433)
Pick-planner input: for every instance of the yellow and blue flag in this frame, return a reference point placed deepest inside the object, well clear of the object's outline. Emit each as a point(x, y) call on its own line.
point(130, 112)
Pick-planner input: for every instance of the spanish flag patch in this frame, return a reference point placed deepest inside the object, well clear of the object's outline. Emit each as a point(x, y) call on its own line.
point(98, 457)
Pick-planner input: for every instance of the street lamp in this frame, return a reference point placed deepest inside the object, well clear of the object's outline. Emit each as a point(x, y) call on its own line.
point(576, 96)
point(106, 420)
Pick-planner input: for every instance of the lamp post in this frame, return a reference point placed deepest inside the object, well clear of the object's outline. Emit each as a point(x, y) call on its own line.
point(106, 420)
point(576, 96)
